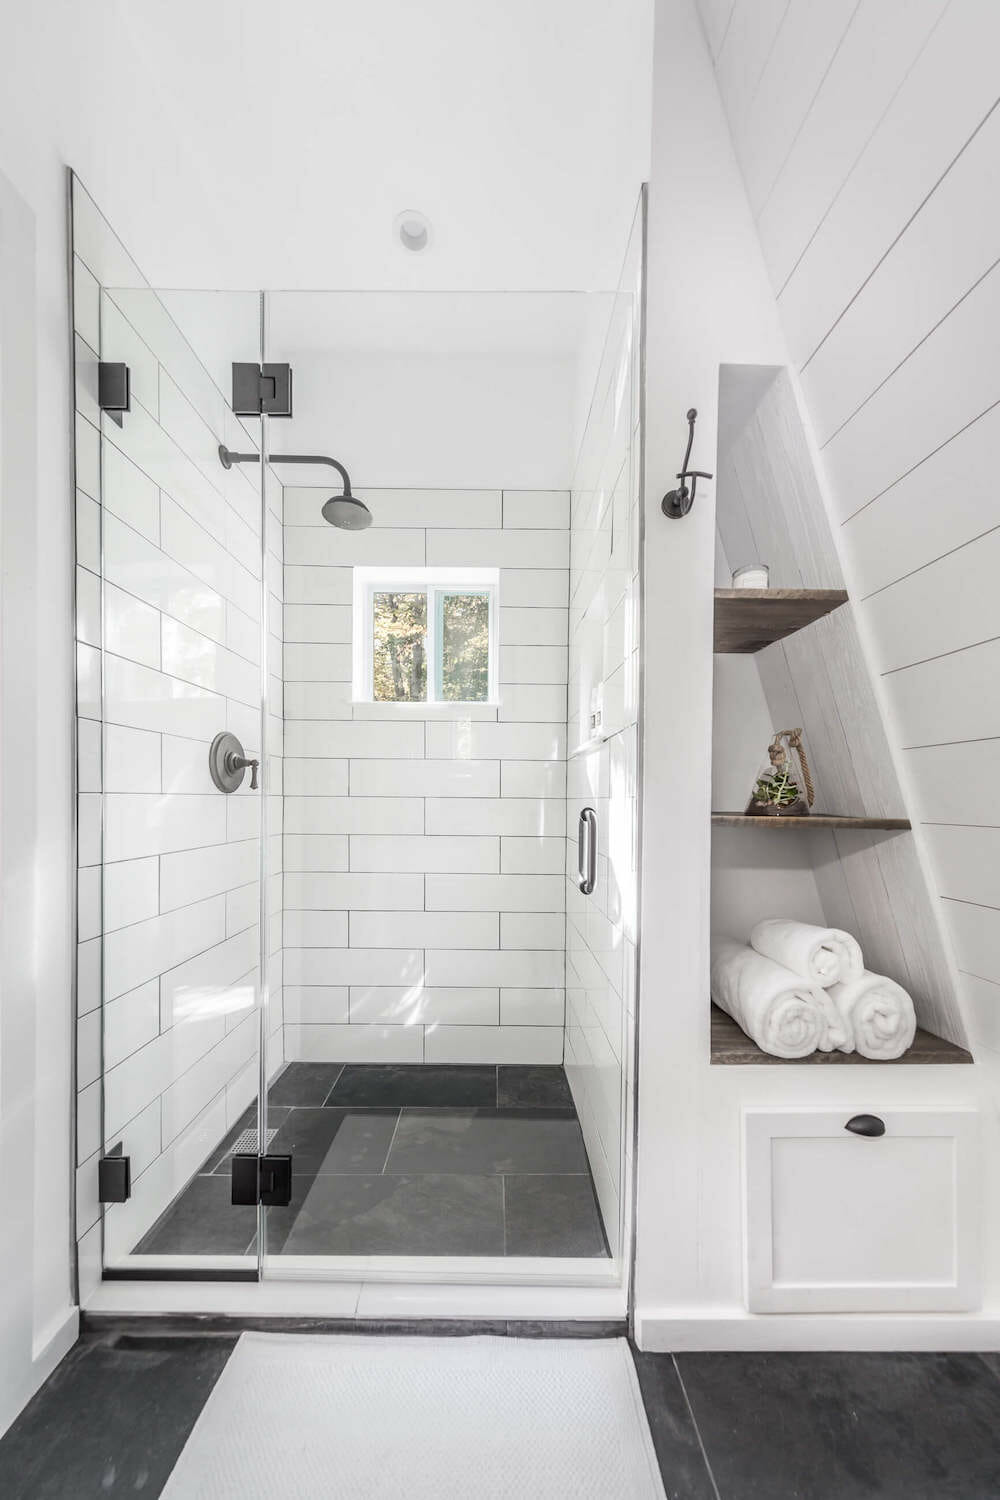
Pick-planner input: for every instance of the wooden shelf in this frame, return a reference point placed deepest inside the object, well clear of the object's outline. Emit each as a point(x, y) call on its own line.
point(747, 620)
point(731, 1045)
point(814, 820)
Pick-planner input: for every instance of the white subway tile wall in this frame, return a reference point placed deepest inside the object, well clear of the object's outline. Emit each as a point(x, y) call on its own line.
point(178, 904)
point(602, 771)
point(424, 894)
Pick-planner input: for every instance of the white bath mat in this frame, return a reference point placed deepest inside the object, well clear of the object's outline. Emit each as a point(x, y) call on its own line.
point(364, 1418)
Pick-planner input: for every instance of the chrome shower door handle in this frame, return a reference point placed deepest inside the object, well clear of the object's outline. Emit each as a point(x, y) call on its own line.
point(586, 850)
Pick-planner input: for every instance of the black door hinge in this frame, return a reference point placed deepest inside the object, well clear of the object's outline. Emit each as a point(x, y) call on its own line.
point(262, 390)
point(114, 390)
point(262, 1179)
point(114, 1176)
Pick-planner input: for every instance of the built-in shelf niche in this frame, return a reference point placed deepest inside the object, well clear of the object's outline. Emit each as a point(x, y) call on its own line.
point(789, 656)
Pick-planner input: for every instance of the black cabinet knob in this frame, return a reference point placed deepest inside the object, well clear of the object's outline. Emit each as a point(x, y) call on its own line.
point(866, 1125)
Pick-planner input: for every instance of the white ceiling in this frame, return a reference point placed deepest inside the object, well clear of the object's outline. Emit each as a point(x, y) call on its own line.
point(302, 127)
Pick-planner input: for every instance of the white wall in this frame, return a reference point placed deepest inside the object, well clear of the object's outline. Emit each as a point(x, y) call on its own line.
point(37, 1321)
point(881, 241)
point(709, 303)
point(423, 890)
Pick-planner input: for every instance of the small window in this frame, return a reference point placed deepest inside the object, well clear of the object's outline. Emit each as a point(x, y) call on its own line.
point(425, 635)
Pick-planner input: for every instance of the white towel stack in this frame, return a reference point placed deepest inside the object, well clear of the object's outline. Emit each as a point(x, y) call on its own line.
point(796, 988)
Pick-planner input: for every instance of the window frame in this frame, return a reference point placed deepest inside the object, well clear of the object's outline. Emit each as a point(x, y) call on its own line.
point(435, 583)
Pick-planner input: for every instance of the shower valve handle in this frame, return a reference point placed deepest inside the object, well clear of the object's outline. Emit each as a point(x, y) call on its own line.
point(236, 762)
point(227, 763)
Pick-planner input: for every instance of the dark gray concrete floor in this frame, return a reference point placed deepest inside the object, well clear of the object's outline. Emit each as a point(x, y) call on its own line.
point(404, 1160)
point(115, 1415)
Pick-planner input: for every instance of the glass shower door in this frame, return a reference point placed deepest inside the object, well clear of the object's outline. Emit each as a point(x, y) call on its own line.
point(179, 605)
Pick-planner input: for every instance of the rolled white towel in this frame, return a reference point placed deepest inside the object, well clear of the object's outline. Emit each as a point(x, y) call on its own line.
point(782, 1012)
point(878, 1013)
point(823, 955)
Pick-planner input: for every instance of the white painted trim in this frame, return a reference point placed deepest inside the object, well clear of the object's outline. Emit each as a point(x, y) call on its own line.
point(686, 1330)
point(315, 1299)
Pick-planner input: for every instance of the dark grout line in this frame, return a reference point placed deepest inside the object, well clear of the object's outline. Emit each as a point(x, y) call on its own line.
point(697, 1429)
point(503, 1209)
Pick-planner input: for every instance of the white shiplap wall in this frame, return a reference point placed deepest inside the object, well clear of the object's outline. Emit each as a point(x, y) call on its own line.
point(423, 895)
point(168, 866)
point(869, 139)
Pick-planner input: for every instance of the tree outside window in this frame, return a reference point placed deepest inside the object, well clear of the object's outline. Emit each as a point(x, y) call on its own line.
point(424, 638)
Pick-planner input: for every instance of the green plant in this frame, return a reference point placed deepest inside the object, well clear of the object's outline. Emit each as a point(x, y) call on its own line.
point(777, 789)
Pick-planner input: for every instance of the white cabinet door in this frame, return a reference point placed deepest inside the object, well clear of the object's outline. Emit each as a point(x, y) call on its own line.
point(840, 1222)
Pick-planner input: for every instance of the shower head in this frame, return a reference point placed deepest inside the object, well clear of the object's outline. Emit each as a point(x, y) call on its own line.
point(345, 511)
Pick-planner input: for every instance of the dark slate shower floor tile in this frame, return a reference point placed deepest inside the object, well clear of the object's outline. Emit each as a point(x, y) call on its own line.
point(202, 1220)
point(540, 1086)
point(425, 1215)
point(336, 1140)
point(550, 1215)
point(847, 1426)
point(371, 1085)
point(485, 1140)
point(112, 1419)
point(304, 1083)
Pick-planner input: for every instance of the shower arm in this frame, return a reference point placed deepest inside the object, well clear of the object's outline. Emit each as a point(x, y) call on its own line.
point(227, 458)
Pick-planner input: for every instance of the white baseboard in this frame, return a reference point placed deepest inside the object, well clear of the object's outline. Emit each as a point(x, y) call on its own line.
point(665, 1332)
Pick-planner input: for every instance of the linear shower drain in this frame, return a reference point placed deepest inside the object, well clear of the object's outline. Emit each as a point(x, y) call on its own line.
point(246, 1142)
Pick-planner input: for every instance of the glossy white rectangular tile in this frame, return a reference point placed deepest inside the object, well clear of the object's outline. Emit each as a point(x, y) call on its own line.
point(488, 1044)
point(384, 1044)
point(425, 778)
point(398, 966)
point(418, 929)
point(471, 741)
point(354, 815)
point(532, 856)
point(540, 816)
point(458, 854)
point(505, 549)
point(536, 508)
point(510, 967)
point(345, 740)
point(533, 627)
point(315, 777)
point(503, 893)
point(353, 892)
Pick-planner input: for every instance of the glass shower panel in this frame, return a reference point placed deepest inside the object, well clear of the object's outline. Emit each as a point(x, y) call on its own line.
point(417, 1076)
point(183, 660)
point(603, 759)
